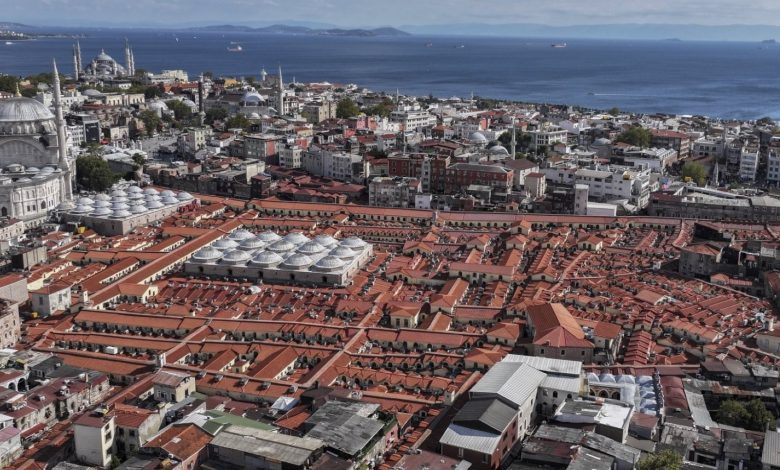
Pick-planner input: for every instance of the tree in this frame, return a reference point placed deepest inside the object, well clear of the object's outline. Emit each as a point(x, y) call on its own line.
point(752, 415)
point(695, 171)
point(215, 114)
point(93, 173)
point(180, 110)
point(664, 460)
point(150, 119)
point(347, 108)
point(384, 108)
point(8, 83)
point(637, 136)
point(238, 121)
point(613, 111)
point(152, 92)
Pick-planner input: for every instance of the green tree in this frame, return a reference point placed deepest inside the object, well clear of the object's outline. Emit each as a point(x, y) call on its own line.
point(752, 415)
point(638, 136)
point(152, 92)
point(238, 121)
point(695, 171)
point(664, 460)
point(93, 173)
point(613, 111)
point(215, 114)
point(383, 108)
point(347, 108)
point(181, 111)
point(151, 120)
point(8, 83)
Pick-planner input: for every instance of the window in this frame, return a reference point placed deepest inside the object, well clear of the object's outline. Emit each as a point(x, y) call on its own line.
point(460, 452)
point(485, 458)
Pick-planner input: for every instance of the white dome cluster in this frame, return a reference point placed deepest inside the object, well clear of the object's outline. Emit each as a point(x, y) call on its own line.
point(123, 203)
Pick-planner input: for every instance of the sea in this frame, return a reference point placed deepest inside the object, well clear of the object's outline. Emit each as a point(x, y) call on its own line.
point(727, 80)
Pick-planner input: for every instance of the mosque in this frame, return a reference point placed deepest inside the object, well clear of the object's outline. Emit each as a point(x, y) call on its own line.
point(103, 66)
point(35, 171)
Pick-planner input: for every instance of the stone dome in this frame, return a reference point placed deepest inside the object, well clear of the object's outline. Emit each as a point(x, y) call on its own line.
point(102, 197)
point(342, 252)
point(20, 116)
point(267, 258)
point(498, 150)
point(134, 189)
point(154, 204)
point(169, 200)
point(296, 238)
point(311, 248)
point(326, 240)
point(478, 138)
point(269, 236)
point(120, 214)
point(298, 260)
point(167, 193)
point(151, 191)
point(101, 212)
point(206, 255)
point(329, 263)
point(225, 244)
point(281, 246)
point(236, 257)
point(253, 243)
point(353, 242)
point(240, 234)
point(92, 93)
point(184, 196)
point(85, 201)
point(138, 209)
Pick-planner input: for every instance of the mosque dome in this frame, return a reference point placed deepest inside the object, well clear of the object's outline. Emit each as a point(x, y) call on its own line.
point(104, 56)
point(298, 260)
point(269, 236)
point(253, 243)
point(329, 263)
point(24, 116)
point(240, 234)
point(342, 252)
point(207, 255)
point(478, 138)
point(225, 244)
point(353, 242)
point(92, 93)
point(326, 240)
point(498, 150)
point(267, 258)
point(296, 238)
point(311, 248)
point(236, 257)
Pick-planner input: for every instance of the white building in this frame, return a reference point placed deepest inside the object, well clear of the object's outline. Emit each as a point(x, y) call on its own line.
point(773, 166)
point(290, 156)
point(35, 174)
point(54, 297)
point(336, 165)
point(611, 183)
point(547, 136)
point(413, 119)
point(748, 163)
point(94, 436)
point(294, 258)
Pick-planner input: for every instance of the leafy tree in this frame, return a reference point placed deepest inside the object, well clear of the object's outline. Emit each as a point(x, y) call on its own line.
point(238, 121)
point(765, 121)
point(752, 415)
point(613, 111)
point(384, 108)
point(208, 74)
point(216, 114)
point(150, 119)
point(8, 83)
point(180, 110)
point(695, 171)
point(347, 108)
point(664, 460)
point(152, 92)
point(638, 136)
point(93, 173)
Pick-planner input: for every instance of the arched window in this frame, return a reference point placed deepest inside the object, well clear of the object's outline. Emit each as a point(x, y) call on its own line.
point(4, 211)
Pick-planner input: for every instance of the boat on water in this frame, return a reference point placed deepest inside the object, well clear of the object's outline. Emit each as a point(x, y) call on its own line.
point(430, 44)
point(460, 47)
point(236, 48)
point(560, 45)
point(9, 43)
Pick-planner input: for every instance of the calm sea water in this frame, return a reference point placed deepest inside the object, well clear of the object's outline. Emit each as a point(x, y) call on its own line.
point(733, 80)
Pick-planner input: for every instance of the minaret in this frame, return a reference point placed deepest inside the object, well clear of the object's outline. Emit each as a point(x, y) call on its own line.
point(263, 75)
point(280, 98)
point(132, 62)
point(76, 70)
point(128, 60)
point(18, 93)
point(513, 146)
point(62, 143)
point(78, 57)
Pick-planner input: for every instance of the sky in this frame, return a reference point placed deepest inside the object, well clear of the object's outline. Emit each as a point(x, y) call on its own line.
point(365, 13)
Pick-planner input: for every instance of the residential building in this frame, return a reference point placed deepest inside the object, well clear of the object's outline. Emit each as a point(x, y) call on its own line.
point(748, 163)
point(94, 437)
point(393, 191)
point(674, 140)
point(51, 298)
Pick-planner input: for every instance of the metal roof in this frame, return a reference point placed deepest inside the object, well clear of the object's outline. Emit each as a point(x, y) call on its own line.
point(345, 426)
point(771, 453)
point(514, 382)
point(472, 439)
point(548, 365)
point(272, 446)
point(487, 413)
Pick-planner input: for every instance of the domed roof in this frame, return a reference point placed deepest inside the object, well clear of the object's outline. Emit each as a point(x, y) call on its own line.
point(593, 378)
point(606, 377)
point(225, 244)
point(298, 260)
point(158, 106)
point(134, 190)
point(342, 252)
point(296, 237)
point(135, 196)
point(104, 56)
point(101, 212)
point(102, 197)
point(253, 243)
point(117, 206)
point(121, 213)
point(240, 234)
point(267, 258)
point(281, 246)
point(102, 203)
point(329, 263)
point(167, 193)
point(602, 141)
point(14, 110)
point(207, 254)
point(85, 201)
point(32, 169)
point(310, 248)
point(169, 200)
point(498, 150)
point(269, 236)
point(82, 209)
point(151, 191)
point(626, 379)
point(252, 97)
point(478, 137)
point(236, 256)
point(326, 240)
point(91, 93)
point(118, 193)
point(153, 204)
point(182, 196)
point(138, 209)
point(353, 242)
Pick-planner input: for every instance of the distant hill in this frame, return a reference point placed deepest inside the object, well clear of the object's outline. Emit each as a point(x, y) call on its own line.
point(303, 30)
point(7, 25)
